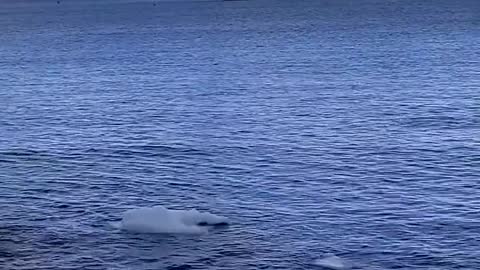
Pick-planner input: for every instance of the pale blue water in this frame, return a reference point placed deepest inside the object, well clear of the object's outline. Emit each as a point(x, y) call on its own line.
point(344, 127)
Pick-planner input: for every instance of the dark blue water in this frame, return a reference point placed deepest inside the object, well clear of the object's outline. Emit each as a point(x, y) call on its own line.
point(344, 127)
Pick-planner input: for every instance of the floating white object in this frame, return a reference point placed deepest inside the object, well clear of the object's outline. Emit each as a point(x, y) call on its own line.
point(159, 219)
point(332, 262)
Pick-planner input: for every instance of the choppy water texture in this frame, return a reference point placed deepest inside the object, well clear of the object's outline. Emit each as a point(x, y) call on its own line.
point(317, 127)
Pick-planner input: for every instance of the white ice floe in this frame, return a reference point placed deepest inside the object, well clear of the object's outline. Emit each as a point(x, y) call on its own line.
point(159, 219)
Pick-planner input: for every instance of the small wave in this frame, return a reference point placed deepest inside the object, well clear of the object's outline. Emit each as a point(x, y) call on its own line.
point(332, 262)
point(159, 219)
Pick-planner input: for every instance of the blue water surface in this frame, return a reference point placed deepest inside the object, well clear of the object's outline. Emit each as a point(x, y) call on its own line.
point(316, 127)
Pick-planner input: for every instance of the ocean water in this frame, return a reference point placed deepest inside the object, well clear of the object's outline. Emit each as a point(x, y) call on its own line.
point(330, 128)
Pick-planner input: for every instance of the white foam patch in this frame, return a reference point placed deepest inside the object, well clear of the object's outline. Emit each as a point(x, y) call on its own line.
point(332, 262)
point(159, 219)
